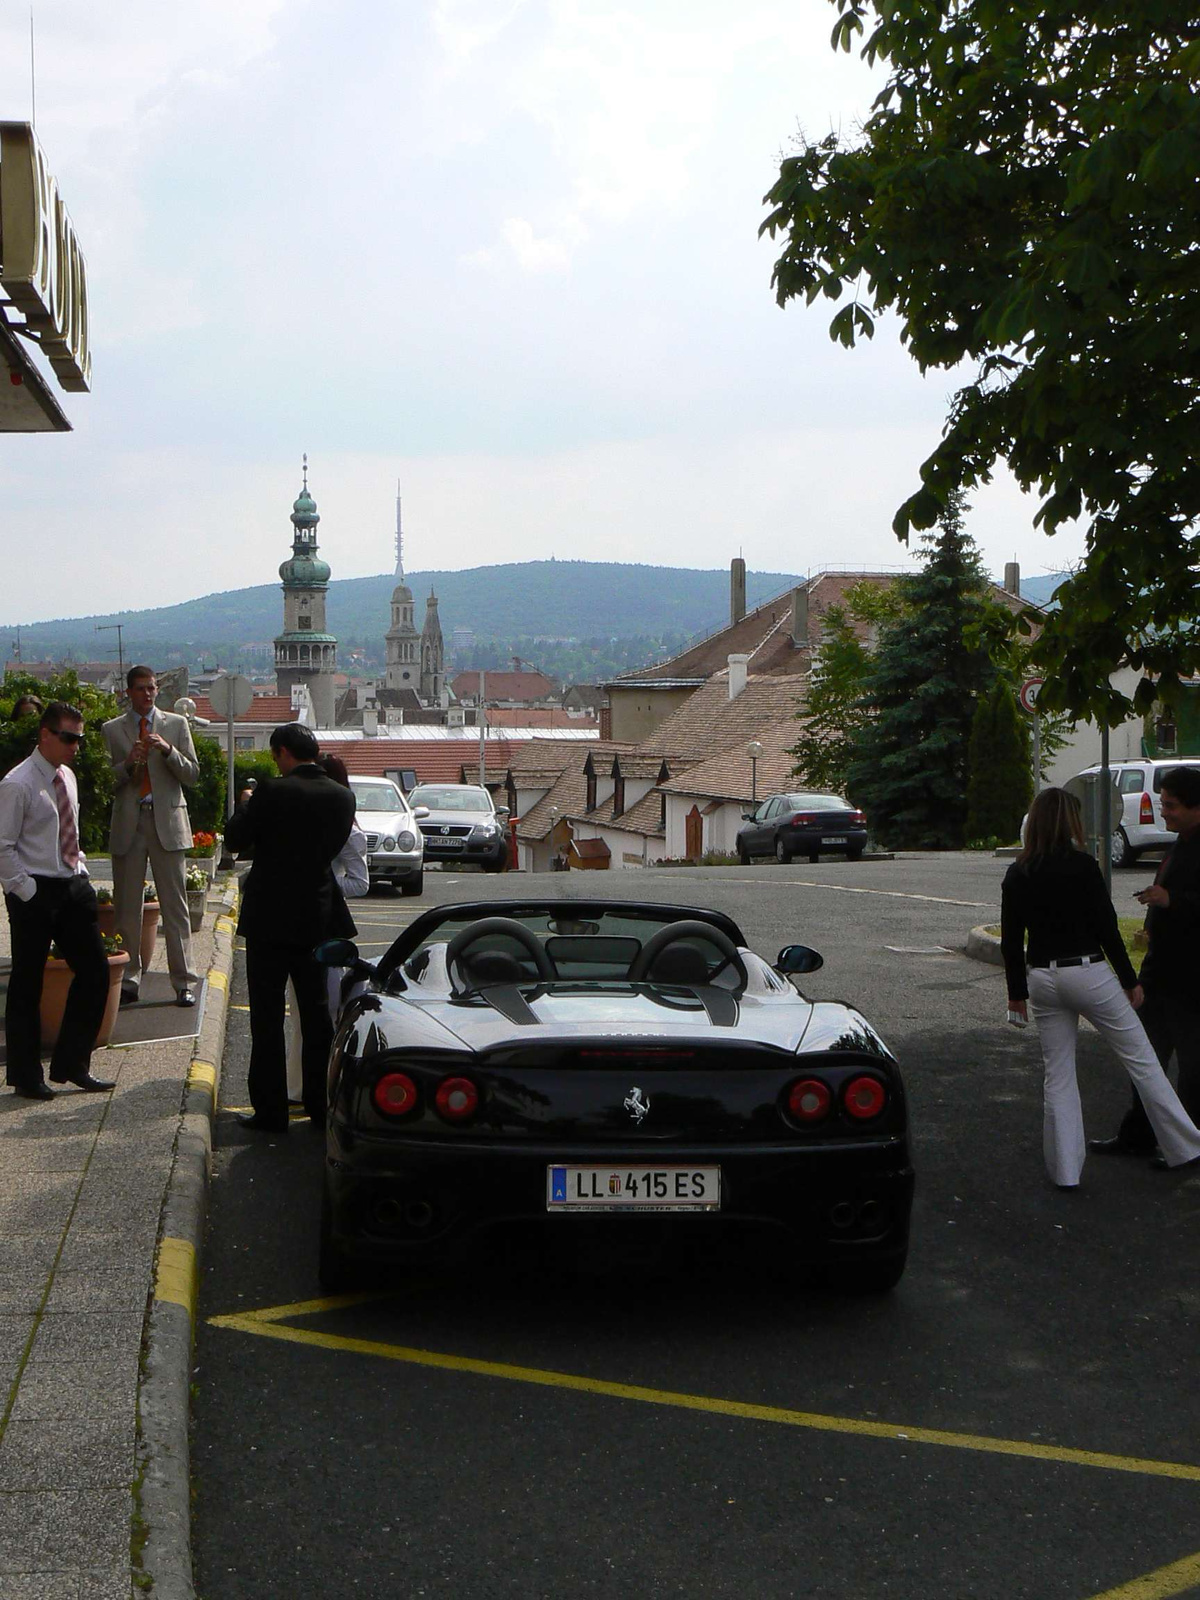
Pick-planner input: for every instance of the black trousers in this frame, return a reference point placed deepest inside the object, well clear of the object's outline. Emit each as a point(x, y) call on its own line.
point(1173, 1027)
point(63, 912)
point(268, 968)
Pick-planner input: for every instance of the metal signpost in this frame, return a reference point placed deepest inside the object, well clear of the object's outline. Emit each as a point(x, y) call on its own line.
point(230, 696)
point(1027, 698)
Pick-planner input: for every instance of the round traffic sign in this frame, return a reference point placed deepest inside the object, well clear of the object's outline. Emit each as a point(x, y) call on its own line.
point(1028, 693)
point(230, 695)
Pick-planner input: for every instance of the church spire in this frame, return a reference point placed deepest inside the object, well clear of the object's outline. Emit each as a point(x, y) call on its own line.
point(399, 537)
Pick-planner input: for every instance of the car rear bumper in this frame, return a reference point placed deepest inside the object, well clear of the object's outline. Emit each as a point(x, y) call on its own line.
point(399, 1202)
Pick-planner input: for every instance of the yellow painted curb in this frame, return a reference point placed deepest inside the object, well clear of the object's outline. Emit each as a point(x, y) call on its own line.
point(175, 1276)
point(202, 1075)
point(224, 924)
point(218, 979)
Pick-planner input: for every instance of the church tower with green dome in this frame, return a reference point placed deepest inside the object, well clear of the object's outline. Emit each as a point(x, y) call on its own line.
point(304, 652)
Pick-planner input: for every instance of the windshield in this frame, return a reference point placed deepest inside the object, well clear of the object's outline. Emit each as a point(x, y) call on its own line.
point(450, 797)
point(376, 797)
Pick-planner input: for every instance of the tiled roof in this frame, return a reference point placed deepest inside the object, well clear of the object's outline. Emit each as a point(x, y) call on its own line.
point(643, 818)
point(709, 722)
point(505, 686)
point(765, 634)
point(536, 717)
point(567, 796)
point(273, 708)
point(730, 776)
point(433, 761)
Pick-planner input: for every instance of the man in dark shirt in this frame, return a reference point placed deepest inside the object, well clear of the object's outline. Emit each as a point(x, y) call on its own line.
point(295, 825)
point(1170, 975)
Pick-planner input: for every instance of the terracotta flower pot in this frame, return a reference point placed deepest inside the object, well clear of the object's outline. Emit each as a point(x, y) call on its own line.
point(150, 915)
point(56, 980)
point(105, 918)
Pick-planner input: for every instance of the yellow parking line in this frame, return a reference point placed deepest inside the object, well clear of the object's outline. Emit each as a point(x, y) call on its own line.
point(269, 1324)
point(1161, 1584)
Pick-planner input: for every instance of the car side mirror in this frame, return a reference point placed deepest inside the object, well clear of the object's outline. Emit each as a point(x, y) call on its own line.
point(796, 958)
point(748, 816)
point(342, 953)
point(419, 812)
point(502, 813)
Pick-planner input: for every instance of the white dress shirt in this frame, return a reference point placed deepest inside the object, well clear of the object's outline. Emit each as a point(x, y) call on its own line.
point(350, 865)
point(29, 826)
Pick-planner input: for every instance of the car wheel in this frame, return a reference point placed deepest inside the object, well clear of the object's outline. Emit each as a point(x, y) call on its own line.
point(743, 854)
point(336, 1273)
point(866, 1277)
point(782, 853)
point(413, 885)
point(1121, 853)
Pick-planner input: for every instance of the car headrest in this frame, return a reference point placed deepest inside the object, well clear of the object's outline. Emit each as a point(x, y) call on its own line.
point(679, 963)
point(484, 969)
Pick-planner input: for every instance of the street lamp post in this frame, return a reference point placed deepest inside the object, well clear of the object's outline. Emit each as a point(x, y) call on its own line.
point(754, 750)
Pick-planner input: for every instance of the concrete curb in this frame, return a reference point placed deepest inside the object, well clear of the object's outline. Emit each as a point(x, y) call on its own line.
point(984, 946)
point(163, 1490)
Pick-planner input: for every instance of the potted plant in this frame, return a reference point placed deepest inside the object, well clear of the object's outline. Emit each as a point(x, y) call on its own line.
point(204, 850)
point(56, 980)
point(150, 916)
point(197, 882)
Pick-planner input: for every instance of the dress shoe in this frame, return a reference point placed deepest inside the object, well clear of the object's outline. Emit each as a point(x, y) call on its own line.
point(129, 995)
point(261, 1124)
point(86, 1082)
point(33, 1091)
point(185, 997)
point(1116, 1146)
point(1160, 1164)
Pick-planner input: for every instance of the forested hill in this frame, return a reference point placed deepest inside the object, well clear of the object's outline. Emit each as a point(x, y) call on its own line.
point(530, 599)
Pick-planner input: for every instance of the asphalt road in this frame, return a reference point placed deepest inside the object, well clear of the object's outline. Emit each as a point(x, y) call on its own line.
point(1017, 1419)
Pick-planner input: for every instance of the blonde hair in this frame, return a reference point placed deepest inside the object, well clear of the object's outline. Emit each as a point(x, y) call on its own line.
point(1053, 827)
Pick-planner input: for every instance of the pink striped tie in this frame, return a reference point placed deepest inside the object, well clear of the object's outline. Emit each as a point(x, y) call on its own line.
point(68, 834)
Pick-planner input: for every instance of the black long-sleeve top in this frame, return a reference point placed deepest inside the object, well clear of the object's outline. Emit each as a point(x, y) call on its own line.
point(1172, 963)
point(1063, 906)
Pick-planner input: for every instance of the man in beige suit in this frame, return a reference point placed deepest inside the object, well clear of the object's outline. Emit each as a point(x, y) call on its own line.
point(153, 760)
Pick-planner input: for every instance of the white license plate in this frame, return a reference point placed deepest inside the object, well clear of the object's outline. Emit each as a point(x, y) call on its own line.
point(834, 838)
point(607, 1188)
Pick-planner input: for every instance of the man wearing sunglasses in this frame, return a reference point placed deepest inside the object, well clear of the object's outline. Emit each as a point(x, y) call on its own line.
point(50, 898)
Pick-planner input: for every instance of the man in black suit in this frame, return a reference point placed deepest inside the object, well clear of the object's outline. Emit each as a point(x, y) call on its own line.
point(1170, 1012)
point(294, 825)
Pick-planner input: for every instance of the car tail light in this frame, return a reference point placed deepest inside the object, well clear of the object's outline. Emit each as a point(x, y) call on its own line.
point(864, 1098)
point(857, 818)
point(809, 1100)
point(1146, 813)
point(456, 1099)
point(395, 1095)
point(802, 819)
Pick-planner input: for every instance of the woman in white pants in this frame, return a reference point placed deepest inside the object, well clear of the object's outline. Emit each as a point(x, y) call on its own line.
point(1054, 893)
point(350, 874)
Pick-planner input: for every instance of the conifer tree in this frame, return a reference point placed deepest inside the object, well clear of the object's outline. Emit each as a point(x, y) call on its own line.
point(1000, 784)
point(909, 772)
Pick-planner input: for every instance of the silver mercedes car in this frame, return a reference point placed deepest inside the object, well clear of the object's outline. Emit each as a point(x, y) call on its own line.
point(395, 848)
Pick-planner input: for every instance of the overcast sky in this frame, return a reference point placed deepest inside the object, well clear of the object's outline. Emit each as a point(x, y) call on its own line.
point(504, 250)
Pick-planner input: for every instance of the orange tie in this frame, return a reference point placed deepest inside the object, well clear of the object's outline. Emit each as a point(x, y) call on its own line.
point(143, 728)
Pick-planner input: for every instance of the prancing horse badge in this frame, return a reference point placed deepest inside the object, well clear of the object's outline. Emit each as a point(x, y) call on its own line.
point(636, 1106)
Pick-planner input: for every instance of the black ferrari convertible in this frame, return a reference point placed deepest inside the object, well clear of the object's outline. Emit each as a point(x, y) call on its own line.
point(600, 1064)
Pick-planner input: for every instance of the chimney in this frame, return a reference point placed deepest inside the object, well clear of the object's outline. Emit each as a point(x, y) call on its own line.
point(737, 590)
point(799, 616)
point(1012, 577)
point(737, 675)
point(370, 724)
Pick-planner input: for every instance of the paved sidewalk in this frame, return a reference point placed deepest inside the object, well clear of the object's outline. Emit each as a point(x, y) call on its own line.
point(95, 1315)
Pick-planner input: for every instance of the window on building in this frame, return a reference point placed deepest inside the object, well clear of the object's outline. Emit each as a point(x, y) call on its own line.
point(243, 741)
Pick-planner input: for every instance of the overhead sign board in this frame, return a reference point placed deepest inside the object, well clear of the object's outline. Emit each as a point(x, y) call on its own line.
point(41, 265)
point(27, 403)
